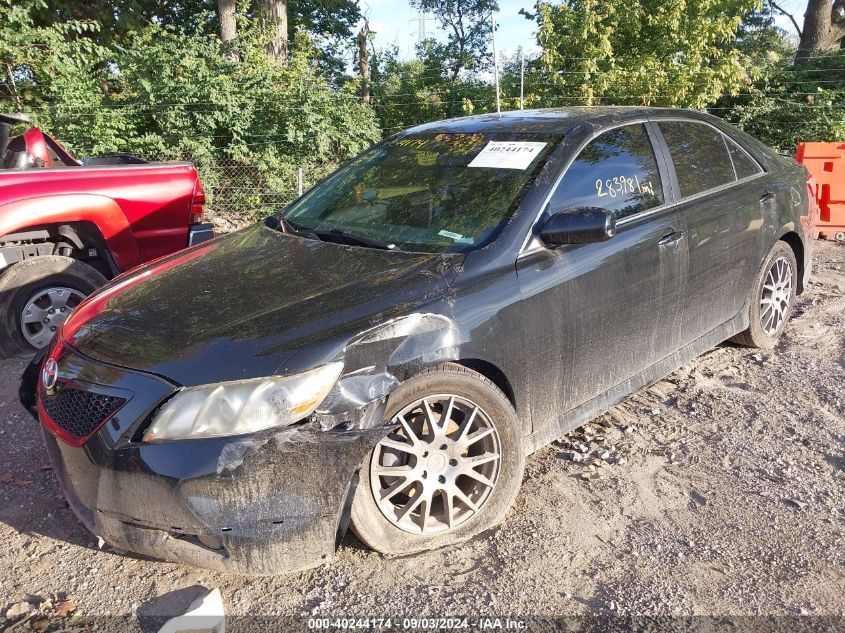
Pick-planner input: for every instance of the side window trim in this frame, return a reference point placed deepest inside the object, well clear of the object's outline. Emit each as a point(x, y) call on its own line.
point(728, 150)
point(678, 198)
point(730, 141)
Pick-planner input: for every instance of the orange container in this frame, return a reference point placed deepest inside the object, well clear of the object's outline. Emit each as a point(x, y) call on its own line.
point(826, 163)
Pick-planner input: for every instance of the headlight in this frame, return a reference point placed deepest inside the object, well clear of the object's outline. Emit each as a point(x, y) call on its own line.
point(245, 406)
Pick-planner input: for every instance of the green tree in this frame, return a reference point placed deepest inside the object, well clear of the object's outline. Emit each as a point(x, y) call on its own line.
point(173, 95)
point(37, 62)
point(467, 25)
point(406, 93)
point(650, 53)
point(329, 23)
point(785, 104)
point(788, 105)
point(118, 18)
point(824, 29)
point(535, 80)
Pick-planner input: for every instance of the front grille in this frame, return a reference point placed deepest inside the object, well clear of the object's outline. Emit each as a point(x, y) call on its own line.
point(78, 412)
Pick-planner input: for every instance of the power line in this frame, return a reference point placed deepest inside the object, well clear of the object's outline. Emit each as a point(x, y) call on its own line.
point(536, 79)
point(543, 76)
point(195, 105)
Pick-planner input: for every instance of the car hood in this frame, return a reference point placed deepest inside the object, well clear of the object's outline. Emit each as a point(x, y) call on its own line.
point(241, 305)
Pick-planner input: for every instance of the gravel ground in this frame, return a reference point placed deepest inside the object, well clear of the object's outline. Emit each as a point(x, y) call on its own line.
point(719, 490)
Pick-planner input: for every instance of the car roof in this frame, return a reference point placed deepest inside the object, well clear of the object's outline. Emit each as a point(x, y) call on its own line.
point(549, 120)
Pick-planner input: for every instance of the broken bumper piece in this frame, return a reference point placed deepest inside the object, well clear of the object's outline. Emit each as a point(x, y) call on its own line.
point(267, 503)
point(283, 509)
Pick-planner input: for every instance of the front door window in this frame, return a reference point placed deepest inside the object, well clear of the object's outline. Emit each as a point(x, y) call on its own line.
point(617, 171)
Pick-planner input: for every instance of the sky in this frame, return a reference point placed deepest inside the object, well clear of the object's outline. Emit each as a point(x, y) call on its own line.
point(395, 21)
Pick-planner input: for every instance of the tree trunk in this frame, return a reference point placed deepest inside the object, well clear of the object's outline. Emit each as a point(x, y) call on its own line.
point(364, 62)
point(277, 17)
point(824, 29)
point(13, 92)
point(226, 15)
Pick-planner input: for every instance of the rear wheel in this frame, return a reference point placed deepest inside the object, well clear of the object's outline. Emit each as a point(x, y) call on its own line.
point(37, 295)
point(772, 299)
point(449, 469)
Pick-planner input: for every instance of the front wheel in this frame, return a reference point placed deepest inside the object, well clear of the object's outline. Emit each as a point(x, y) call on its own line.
point(450, 467)
point(772, 298)
point(37, 295)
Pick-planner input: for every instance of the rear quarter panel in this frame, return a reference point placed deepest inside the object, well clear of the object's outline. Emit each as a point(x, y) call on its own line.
point(792, 210)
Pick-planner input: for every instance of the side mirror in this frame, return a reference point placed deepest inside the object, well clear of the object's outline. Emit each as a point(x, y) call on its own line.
point(579, 225)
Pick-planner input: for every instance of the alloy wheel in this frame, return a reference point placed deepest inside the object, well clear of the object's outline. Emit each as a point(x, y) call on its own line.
point(776, 297)
point(45, 311)
point(439, 466)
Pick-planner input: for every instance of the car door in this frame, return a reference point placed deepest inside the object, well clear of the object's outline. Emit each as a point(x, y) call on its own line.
point(722, 200)
point(611, 307)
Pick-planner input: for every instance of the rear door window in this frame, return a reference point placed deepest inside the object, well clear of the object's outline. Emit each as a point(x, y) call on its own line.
point(616, 171)
point(700, 156)
point(744, 165)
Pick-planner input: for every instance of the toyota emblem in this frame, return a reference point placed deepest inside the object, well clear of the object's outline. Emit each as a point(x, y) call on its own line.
point(50, 373)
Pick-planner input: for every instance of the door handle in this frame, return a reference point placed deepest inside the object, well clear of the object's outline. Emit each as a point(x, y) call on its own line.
point(674, 236)
point(766, 195)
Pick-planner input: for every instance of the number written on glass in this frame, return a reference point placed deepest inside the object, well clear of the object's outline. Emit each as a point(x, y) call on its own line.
point(623, 186)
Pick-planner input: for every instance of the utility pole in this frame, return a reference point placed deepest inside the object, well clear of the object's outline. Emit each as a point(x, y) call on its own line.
point(495, 62)
point(521, 78)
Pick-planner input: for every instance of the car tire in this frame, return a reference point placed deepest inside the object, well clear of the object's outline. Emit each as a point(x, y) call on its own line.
point(772, 299)
point(454, 390)
point(24, 281)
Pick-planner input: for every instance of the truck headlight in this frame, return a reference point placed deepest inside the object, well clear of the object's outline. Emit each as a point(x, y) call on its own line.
point(244, 406)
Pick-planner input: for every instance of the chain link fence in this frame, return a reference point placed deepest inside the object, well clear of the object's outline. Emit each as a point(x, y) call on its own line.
point(239, 193)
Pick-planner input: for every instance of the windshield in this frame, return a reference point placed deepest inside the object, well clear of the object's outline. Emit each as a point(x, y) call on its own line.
point(427, 192)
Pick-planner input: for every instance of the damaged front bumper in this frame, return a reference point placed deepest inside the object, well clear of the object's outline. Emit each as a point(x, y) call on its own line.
point(268, 503)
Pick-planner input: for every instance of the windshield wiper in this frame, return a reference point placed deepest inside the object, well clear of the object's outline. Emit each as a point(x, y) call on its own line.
point(345, 237)
point(278, 223)
point(328, 235)
point(281, 224)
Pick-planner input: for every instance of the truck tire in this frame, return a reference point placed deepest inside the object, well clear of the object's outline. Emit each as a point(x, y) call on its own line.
point(449, 420)
point(37, 295)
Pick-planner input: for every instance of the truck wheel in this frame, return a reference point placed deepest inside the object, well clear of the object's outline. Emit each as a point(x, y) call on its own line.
point(37, 295)
point(449, 469)
point(772, 298)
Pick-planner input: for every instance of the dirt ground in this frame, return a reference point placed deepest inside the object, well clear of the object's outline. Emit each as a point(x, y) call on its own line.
point(719, 490)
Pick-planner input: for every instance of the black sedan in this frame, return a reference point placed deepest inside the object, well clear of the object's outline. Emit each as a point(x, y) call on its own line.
point(387, 350)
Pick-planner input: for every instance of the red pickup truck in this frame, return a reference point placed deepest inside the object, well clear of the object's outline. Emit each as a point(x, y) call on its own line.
point(65, 227)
